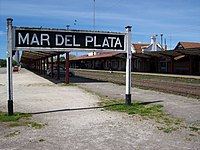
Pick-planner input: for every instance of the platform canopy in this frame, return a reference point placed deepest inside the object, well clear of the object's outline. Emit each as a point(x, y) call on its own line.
point(31, 56)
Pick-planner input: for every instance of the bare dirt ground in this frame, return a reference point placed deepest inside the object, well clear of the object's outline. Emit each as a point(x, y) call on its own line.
point(73, 122)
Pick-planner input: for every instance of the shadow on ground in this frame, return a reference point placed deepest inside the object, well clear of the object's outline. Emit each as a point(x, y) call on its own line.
point(74, 79)
point(88, 108)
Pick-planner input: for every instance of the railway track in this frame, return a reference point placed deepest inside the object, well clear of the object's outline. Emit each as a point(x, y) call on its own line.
point(178, 88)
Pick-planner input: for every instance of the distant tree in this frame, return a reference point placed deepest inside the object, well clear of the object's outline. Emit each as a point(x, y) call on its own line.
point(62, 58)
point(14, 63)
point(3, 63)
point(72, 56)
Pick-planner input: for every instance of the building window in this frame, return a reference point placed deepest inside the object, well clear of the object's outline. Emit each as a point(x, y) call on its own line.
point(114, 64)
point(163, 66)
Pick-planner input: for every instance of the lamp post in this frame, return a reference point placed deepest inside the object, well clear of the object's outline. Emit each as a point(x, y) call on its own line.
point(94, 15)
point(161, 36)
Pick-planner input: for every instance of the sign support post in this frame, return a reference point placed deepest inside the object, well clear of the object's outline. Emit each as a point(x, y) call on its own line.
point(128, 66)
point(9, 67)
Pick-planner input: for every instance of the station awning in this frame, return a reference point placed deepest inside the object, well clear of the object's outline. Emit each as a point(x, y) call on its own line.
point(36, 55)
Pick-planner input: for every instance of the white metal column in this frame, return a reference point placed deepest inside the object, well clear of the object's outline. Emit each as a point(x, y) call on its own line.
point(9, 67)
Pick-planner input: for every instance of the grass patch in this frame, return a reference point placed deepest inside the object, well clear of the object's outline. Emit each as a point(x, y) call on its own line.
point(14, 124)
point(14, 133)
point(149, 111)
point(34, 124)
point(5, 118)
point(194, 129)
point(69, 84)
point(167, 129)
point(19, 119)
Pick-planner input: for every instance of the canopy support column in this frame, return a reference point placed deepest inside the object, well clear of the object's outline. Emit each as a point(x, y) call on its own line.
point(67, 68)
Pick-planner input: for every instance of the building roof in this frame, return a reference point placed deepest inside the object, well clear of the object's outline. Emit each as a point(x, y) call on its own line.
point(28, 56)
point(182, 48)
point(101, 55)
point(149, 47)
point(138, 47)
point(185, 45)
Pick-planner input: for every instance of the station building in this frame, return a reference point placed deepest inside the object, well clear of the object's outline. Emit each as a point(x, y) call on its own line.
point(153, 58)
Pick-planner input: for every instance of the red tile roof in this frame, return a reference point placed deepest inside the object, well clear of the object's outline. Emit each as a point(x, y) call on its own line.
point(138, 47)
point(186, 45)
point(101, 55)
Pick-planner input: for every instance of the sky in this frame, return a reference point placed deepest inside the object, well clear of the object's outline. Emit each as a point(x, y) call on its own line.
point(177, 20)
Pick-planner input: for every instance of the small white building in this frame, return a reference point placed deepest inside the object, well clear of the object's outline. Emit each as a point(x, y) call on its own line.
point(154, 46)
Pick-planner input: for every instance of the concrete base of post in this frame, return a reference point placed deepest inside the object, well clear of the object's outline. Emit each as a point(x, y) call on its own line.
point(128, 99)
point(10, 107)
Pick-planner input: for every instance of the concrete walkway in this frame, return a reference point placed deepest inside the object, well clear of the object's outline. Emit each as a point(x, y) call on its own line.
point(74, 123)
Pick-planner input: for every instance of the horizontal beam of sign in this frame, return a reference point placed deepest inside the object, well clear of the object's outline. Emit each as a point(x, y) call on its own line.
point(28, 38)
